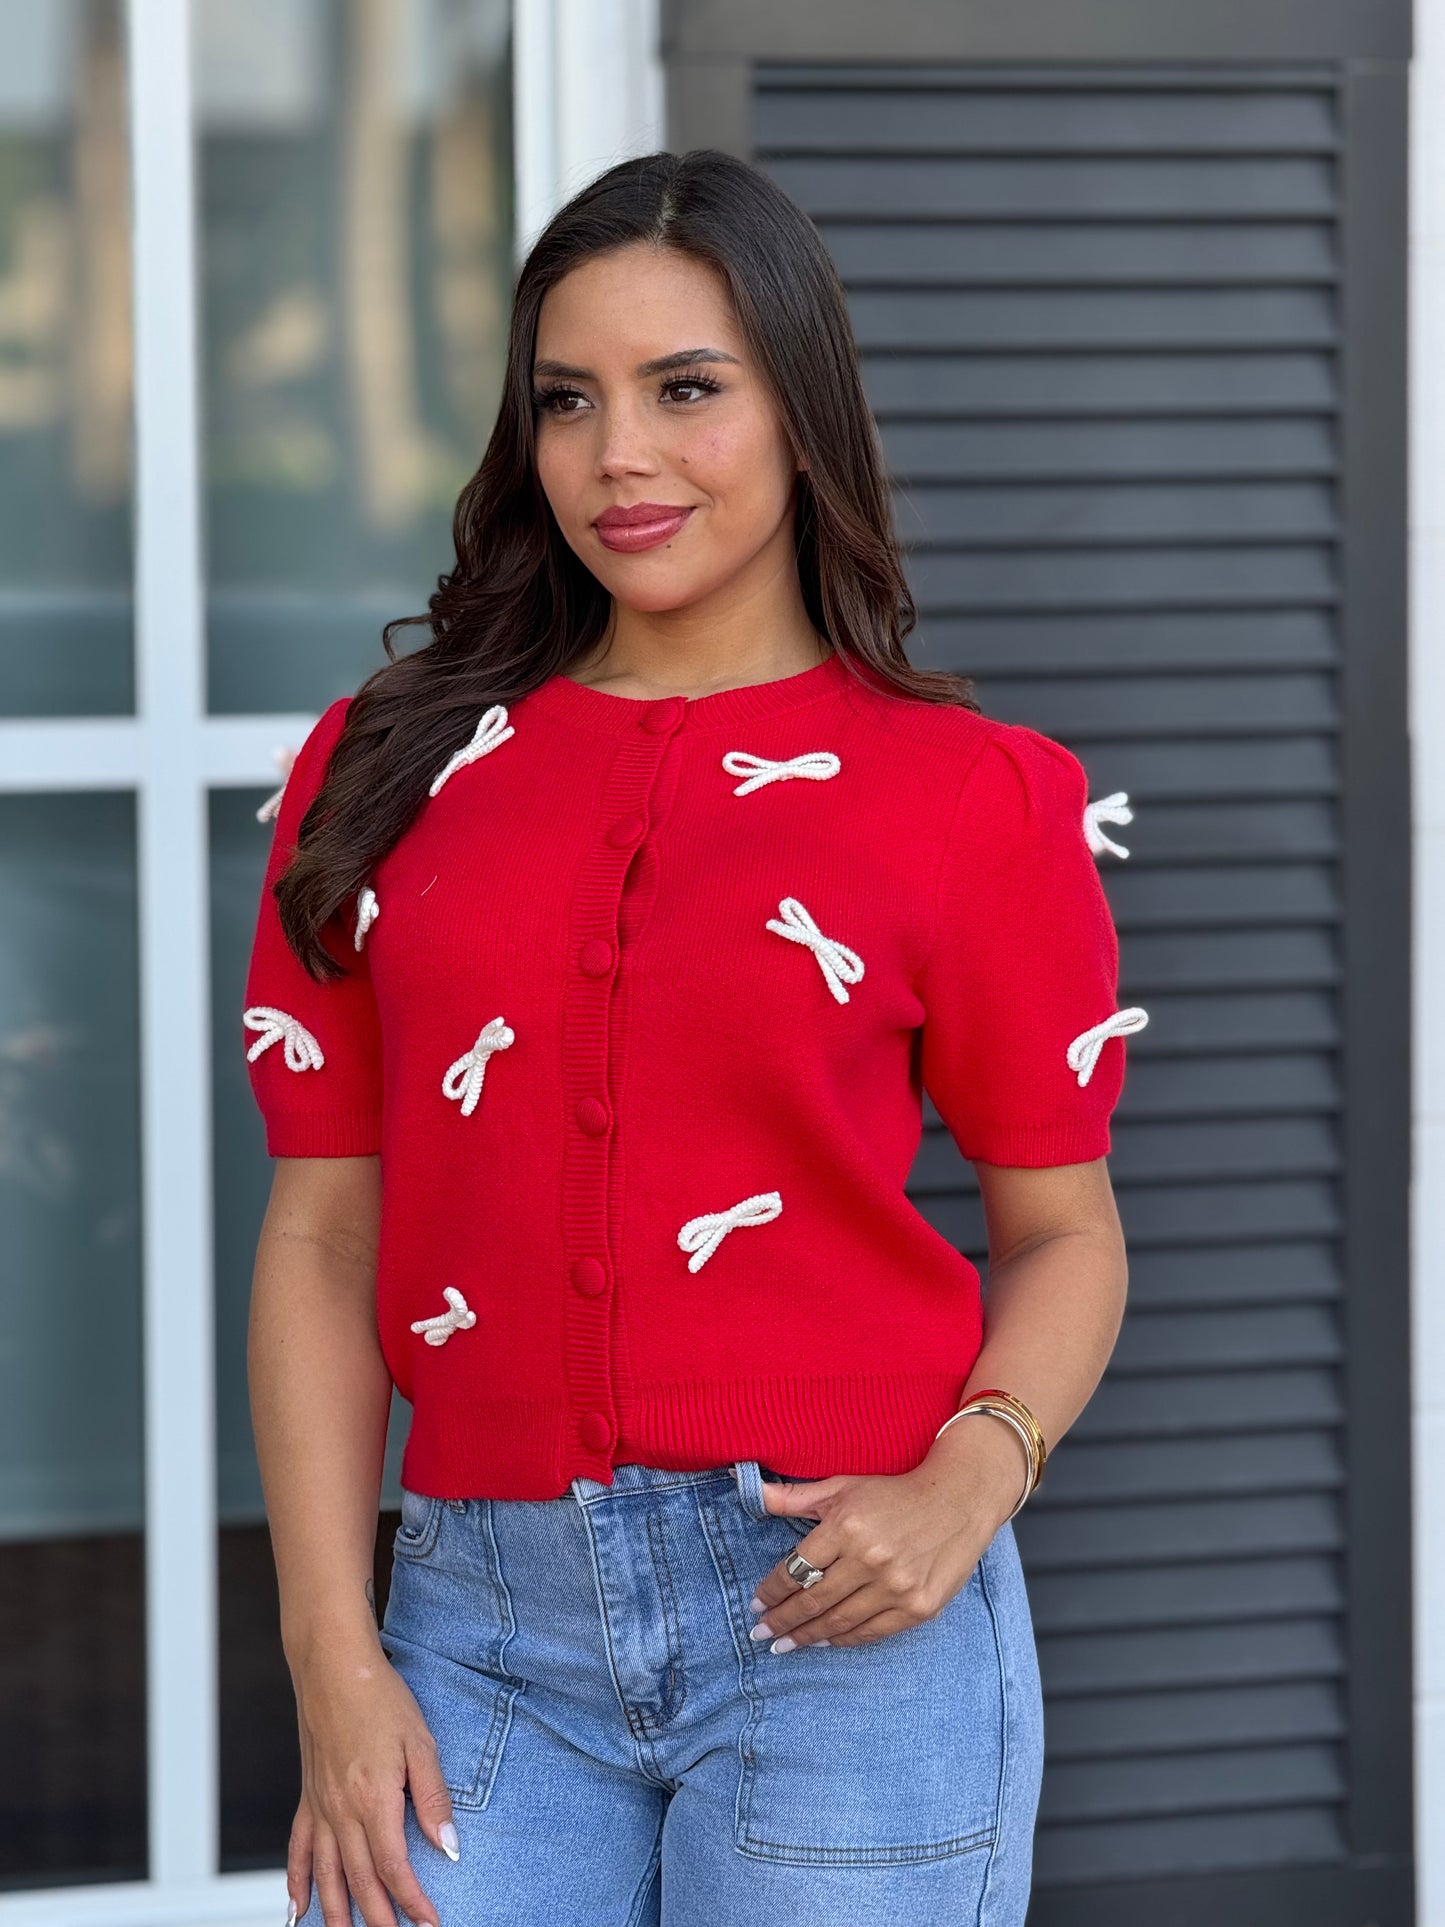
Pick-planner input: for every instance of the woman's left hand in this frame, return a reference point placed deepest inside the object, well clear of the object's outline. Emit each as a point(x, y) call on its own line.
point(894, 1548)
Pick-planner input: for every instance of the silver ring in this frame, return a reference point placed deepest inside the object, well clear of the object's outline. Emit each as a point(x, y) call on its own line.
point(803, 1570)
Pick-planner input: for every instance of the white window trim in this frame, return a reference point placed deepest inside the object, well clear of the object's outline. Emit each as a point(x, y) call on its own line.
point(178, 1295)
point(110, 753)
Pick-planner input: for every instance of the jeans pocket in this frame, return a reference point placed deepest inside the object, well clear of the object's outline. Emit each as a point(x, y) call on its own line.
point(447, 1622)
point(888, 1752)
point(420, 1522)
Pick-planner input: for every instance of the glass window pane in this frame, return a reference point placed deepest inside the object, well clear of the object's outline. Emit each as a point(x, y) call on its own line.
point(355, 161)
point(65, 362)
point(72, 1676)
point(260, 1767)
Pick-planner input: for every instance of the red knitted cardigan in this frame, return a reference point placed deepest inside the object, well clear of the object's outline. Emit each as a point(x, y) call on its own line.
point(638, 1015)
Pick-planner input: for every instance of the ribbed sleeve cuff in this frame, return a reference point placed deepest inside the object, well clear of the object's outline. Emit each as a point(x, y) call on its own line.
point(1066, 1141)
point(323, 1134)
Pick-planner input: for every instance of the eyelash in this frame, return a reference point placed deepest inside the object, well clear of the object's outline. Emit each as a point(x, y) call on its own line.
point(544, 398)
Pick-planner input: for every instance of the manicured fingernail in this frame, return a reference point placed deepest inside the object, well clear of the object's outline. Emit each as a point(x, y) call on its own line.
point(755, 1605)
point(783, 1645)
point(822, 1642)
point(290, 1912)
point(761, 1631)
point(447, 1834)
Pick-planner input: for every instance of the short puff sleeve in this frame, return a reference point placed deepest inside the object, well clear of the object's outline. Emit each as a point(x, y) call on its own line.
point(313, 1050)
point(1023, 1046)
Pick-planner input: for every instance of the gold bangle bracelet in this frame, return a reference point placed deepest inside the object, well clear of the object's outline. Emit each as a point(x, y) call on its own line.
point(1021, 1420)
point(1022, 1412)
point(1025, 1417)
point(997, 1411)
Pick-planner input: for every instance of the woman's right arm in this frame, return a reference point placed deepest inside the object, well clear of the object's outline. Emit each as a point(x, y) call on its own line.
point(320, 1399)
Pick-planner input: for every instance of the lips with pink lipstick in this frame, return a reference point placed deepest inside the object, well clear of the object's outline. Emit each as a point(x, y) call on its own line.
point(642, 526)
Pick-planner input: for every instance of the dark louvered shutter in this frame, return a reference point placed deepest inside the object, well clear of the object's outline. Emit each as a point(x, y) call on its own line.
point(1099, 329)
point(1102, 314)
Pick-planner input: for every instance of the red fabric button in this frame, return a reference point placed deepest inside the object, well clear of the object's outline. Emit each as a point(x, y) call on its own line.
point(596, 1430)
point(596, 957)
point(592, 1116)
point(663, 715)
point(589, 1275)
point(625, 832)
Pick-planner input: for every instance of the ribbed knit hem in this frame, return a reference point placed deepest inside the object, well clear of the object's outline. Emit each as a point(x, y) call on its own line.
point(809, 1426)
point(323, 1134)
point(1069, 1141)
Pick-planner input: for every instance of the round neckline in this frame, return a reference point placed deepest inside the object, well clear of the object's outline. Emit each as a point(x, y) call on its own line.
point(601, 709)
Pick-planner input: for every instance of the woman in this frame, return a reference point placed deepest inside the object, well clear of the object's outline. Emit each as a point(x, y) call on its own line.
point(607, 944)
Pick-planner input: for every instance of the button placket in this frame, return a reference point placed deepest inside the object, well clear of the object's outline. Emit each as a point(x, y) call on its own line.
point(588, 1050)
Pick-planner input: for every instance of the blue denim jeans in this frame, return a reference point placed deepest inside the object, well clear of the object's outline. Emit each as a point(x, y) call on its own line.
point(619, 1753)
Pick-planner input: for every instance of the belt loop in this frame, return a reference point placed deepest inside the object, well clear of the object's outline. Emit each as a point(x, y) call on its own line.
point(748, 1474)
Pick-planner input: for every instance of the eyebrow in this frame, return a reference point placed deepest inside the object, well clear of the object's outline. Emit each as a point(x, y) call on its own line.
point(663, 362)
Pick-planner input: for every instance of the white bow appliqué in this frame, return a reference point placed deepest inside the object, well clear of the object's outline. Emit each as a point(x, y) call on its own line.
point(702, 1236)
point(1108, 809)
point(817, 763)
point(438, 1330)
point(303, 1053)
point(1083, 1053)
point(367, 912)
point(283, 758)
point(491, 730)
point(464, 1078)
point(839, 964)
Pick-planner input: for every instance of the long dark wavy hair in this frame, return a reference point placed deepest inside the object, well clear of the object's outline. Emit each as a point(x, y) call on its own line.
point(519, 606)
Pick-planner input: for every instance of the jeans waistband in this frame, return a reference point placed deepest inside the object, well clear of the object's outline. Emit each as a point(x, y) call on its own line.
point(639, 1478)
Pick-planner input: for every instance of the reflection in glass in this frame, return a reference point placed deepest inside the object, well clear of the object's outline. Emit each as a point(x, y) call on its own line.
point(72, 1676)
point(65, 362)
point(357, 260)
point(260, 1767)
